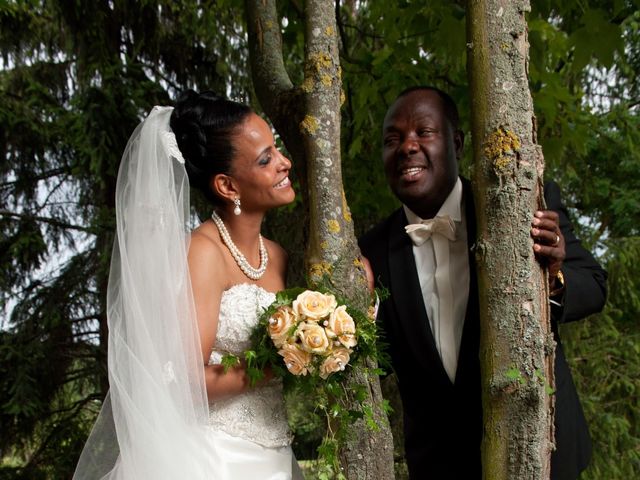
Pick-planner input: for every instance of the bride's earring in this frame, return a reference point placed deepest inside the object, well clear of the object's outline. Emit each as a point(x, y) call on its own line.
point(236, 209)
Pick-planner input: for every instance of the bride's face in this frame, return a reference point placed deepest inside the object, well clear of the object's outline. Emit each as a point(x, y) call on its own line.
point(260, 171)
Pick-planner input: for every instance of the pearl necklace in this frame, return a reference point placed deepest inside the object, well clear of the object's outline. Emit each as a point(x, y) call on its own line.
point(241, 260)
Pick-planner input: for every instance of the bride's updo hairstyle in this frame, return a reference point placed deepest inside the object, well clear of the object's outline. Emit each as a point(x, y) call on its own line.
point(204, 125)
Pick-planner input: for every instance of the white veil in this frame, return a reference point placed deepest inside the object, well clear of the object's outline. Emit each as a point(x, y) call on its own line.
point(150, 423)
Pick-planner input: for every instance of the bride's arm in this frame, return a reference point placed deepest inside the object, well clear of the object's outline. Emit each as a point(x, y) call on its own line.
point(206, 269)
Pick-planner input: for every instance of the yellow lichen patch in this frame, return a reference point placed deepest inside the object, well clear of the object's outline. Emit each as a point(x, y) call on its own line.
point(268, 24)
point(333, 226)
point(309, 125)
point(358, 263)
point(500, 146)
point(324, 245)
point(346, 213)
point(319, 61)
point(326, 80)
point(505, 46)
point(319, 270)
point(307, 84)
point(501, 163)
point(329, 31)
point(343, 97)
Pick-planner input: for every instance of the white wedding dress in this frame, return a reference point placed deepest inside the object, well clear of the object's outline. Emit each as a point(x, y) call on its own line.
point(249, 432)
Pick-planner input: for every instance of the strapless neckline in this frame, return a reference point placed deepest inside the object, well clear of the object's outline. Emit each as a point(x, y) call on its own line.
point(229, 290)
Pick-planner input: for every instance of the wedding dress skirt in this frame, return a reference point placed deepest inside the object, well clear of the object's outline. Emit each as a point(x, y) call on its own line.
point(248, 432)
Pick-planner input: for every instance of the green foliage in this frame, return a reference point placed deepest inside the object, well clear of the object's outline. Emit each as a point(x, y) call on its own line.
point(78, 76)
point(76, 79)
point(604, 353)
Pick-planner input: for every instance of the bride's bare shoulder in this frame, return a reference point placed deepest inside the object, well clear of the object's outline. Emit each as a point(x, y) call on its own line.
point(205, 244)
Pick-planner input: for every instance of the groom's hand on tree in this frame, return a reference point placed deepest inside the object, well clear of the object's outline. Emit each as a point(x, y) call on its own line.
point(548, 245)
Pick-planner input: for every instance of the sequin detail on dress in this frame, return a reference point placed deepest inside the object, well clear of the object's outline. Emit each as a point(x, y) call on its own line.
point(258, 414)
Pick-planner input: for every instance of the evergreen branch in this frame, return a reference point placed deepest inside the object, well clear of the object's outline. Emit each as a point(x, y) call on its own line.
point(42, 176)
point(162, 76)
point(50, 221)
point(94, 316)
point(83, 334)
point(51, 193)
point(78, 403)
point(74, 377)
point(59, 426)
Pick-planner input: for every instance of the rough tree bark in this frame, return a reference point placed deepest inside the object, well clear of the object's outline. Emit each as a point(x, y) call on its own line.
point(308, 119)
point(516, 341)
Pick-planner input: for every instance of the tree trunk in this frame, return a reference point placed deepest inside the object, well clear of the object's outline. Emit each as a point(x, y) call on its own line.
point(517, 345)
point(308, 119)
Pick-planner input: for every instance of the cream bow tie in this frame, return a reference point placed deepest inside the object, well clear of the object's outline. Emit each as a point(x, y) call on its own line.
point(421, 232)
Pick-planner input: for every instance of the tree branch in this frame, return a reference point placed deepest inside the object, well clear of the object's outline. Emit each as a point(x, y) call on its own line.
point(265, 49)
point(42, 176)
point(279, 98)
point(50, 221)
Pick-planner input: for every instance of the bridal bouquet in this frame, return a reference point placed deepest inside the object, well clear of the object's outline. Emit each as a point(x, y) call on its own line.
point(313, 334)
point(310, 333)
point(311, 339)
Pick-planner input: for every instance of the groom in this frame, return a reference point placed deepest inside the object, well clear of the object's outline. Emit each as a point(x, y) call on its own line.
point(431, 317)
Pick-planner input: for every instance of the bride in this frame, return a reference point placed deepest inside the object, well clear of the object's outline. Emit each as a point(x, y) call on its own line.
point(178, 303)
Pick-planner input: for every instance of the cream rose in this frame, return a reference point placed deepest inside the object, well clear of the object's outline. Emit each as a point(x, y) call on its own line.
point(314, 305)
point(296, 360)
point(335, 362)
point(313, 337)
point(280, 323)
point(341, 325)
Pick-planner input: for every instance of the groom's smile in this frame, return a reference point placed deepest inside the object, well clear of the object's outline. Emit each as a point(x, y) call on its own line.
point(420, 151)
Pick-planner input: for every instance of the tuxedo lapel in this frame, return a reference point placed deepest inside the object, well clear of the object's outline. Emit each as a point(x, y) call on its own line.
point(469, 344)
point(407, 296)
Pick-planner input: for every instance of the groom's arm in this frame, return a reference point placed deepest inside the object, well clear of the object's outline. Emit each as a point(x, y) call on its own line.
point(585, 281)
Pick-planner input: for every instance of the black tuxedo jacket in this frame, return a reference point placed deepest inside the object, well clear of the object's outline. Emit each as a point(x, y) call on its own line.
point(443, 427)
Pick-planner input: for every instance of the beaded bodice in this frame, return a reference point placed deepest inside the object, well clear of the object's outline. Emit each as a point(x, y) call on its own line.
point(258, 414)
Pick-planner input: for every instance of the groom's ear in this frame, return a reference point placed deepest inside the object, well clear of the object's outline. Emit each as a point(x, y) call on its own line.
point(458, 141)
point(224, 186)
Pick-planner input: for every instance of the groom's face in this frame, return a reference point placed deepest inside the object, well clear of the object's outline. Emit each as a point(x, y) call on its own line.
point(420, 151)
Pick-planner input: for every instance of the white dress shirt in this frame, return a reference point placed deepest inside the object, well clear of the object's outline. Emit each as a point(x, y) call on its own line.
point(446, 319)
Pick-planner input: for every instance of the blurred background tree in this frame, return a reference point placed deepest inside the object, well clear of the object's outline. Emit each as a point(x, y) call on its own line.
point(76, 78)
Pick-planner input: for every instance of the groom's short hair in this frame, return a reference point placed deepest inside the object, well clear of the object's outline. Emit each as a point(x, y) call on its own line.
point(450, 107)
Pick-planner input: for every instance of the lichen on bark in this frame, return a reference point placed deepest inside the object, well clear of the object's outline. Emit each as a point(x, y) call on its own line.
point(308, 119)
point(515, 355)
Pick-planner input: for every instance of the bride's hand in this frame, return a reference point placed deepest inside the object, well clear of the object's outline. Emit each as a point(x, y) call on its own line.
point(267, 374)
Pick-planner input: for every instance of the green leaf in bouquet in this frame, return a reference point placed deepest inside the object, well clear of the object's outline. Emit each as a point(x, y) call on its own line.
point(285, 297)
point(255, 375)
point(229, 360)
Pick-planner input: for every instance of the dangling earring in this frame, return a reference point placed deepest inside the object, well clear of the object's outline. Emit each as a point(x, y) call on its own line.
point(236, 209)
